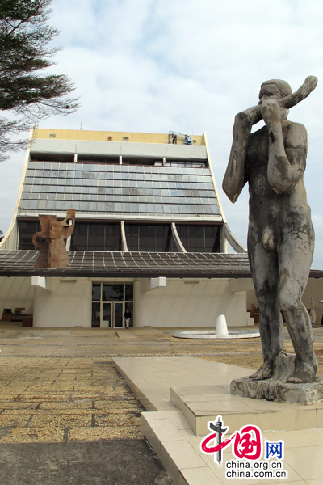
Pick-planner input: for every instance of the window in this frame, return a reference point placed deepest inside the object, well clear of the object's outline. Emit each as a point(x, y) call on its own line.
point(132, 236)
point(150, 237)
point(26, 231)
point(203, 239)
point(96, 237)
point(112, 292)
point(79, 237)
point(197, 164)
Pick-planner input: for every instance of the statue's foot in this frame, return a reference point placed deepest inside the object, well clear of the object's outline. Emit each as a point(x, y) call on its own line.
point(265, 372)
point(303, 373)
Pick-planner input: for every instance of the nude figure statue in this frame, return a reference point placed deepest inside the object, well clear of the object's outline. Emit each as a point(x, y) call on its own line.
point(280, 235)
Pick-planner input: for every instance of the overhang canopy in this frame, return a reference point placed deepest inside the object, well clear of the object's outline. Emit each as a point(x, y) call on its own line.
point(130, 264)
point(133, 264)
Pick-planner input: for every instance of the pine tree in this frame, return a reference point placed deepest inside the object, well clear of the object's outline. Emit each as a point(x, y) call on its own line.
point(24, 53)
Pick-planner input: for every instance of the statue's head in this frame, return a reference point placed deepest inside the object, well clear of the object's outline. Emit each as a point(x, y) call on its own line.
point(275, 88)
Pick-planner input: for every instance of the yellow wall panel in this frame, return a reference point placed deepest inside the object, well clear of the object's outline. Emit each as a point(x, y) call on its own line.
point(111, 136)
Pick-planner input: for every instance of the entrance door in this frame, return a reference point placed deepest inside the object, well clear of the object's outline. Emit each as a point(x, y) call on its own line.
point(118, 315)
point(107, 313)
point(112, 314)
point(109, 301)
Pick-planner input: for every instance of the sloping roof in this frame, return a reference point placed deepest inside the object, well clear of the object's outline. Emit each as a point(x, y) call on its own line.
point(129, 264)
point(134, 264)
point(122, 191)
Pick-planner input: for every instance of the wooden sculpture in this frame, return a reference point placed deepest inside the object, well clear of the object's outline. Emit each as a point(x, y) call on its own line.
point(51, 242)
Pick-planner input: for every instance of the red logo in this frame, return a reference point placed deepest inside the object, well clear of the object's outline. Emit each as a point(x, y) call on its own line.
point(247, 443)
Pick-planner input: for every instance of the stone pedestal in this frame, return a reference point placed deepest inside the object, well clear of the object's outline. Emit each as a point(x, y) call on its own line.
point(277, 388)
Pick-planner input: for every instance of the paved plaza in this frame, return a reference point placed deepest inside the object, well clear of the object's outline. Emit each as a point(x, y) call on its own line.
point(68, 416)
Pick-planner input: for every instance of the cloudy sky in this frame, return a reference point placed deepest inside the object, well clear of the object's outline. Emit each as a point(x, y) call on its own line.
point(188, 67)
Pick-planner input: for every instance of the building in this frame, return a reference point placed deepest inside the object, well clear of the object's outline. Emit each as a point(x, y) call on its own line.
point(150, 234)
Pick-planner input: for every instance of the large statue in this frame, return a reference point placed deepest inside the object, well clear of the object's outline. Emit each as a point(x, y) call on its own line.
point(281, 235)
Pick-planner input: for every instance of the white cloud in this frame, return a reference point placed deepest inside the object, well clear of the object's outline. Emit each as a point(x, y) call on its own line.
point(159, 65)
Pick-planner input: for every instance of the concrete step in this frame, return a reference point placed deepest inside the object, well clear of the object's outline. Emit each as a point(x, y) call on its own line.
point(200, 392)
point(201, 404)
point(175, 444)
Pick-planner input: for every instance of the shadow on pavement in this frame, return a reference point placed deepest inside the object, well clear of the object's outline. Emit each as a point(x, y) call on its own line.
point(115, 462)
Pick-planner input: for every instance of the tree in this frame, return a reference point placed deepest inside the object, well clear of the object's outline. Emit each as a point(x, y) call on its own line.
point(24, 54)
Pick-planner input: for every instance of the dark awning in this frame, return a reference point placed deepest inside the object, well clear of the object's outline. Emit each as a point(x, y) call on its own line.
point(133, 264)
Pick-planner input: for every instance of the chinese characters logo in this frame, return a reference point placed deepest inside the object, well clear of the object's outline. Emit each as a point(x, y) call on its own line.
point(247, 443)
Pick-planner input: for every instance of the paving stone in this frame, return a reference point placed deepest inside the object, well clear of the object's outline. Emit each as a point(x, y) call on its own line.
point(83, 401)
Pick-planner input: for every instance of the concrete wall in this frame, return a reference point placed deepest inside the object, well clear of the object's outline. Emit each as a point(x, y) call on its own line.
point(189, 305)
point(314, 289)
point(10, 241)
point(68, 304)
point(11, 238)
point(179, 304)
point(43, 146)
point(116, 136)
point(16, 293)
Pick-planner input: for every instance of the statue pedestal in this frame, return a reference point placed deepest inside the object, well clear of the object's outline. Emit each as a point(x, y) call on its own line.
point(277, 388)
point(273, 390)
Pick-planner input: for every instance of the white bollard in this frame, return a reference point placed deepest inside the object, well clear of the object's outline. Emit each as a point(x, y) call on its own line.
point(221, 326)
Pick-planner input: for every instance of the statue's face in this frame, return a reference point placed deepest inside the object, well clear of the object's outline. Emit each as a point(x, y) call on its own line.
point(268, 91)
point(271, 91)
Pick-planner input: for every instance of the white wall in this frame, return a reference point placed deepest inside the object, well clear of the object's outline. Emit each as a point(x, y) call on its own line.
point(314, 289)
point(16, 293)
point(178, 304)
point(68, 304)
point(189, 305)
point(10, 241)
point(116, 148)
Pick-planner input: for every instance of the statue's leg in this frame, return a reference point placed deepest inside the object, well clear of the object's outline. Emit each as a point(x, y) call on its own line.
point(295, 262)
point(264, 268)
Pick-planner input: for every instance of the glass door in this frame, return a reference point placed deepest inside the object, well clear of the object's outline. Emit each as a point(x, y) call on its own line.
point(109, 302)
point(107, 314)
point(95, 313)
point(118, 315)
point(112, 314)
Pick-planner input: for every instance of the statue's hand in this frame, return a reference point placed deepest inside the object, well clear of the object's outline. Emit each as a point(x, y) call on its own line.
point(249, 117)
point(272, 113)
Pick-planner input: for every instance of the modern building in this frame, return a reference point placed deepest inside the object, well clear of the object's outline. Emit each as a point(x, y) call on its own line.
point(150, 235)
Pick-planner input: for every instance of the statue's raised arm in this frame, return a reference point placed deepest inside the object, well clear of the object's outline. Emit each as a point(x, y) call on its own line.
point(234, 177)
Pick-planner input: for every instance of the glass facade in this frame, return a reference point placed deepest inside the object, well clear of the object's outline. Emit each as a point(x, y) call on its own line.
point(203, 239)
point(176, 163)
point(26, 230)
point(139, 237)
point(150, 237)
point(98, 188)
point(96, 237)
